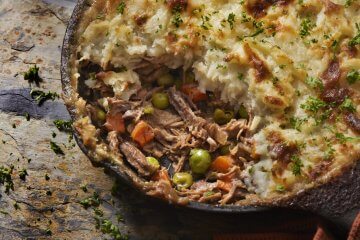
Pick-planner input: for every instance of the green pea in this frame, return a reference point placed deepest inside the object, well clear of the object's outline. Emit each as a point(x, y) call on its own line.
point(200, 160)
point(166, 80)
point(100, 115)
point(182, 180)
point(222, 117)
point(148, 110)
point(160, 100)
point(153, 162)
point(243, 112)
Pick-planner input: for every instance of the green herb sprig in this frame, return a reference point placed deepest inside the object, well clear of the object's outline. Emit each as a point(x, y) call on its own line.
point(40, 96)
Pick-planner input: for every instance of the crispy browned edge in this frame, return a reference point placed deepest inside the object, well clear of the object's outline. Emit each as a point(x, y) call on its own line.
point(333, 197)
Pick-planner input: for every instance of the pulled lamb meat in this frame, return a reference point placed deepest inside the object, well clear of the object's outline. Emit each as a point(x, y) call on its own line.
point(136, 158)
point(198, 126)
point(139, 132)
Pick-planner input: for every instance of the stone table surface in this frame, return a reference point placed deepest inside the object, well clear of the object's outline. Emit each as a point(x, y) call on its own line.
point(46, 205)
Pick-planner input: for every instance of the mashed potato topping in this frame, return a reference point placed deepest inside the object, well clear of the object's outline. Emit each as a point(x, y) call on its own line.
point(294, 65)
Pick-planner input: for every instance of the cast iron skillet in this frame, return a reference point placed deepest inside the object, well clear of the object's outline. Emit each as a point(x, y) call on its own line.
point(338, 198)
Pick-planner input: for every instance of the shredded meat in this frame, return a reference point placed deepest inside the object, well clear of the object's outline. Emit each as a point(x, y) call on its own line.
point(235, 185)
point(164, 119)
point(352, 121)
point(120, 105)
point(197, 125)
point(149, 71)
point(134, 114)
point(214, 197)
point(163, 189)
point(113, 141)
point(235, 128)
point(137, 159)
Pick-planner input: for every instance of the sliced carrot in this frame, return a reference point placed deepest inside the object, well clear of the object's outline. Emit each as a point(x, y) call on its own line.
point(115, 122)
point(226, 186)
point(222, 164)
point(193, 92)
point(161, 175)
point(142, 133)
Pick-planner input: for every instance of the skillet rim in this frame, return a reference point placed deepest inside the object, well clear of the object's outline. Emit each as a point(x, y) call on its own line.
point(300, 200)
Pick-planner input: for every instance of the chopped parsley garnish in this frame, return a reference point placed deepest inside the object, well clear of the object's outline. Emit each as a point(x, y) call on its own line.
point(347, 105)
point(245, 18)
point(40, 96)
point(205, 22)
point(176, 11)
point(16, 206)
point(258, 31)
point(120, 8)
point(32, 75)
point(314, 83)
point(296, 165)
point(220, 66)
point(353, 76)
point(107, 227)
point(56, 148)
point(4, 212)
point(296, 123)
point(329, 152)
point(63, 125)
point(305, 27)
point(335, 45)
point(98, 212)
point(280, 188)
point(177, 21)
point(313, 104)
point(119, 217)
point(355, 40)
point(100, 16)
point(22, 174)
point(48, 232)
point(275, 80)
point(348, 3)
point(240, 76)
point(343, 139)
point(231, 20)
point(93, 201)
point(27, 116)
point(6, 179)
point(84, 188)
